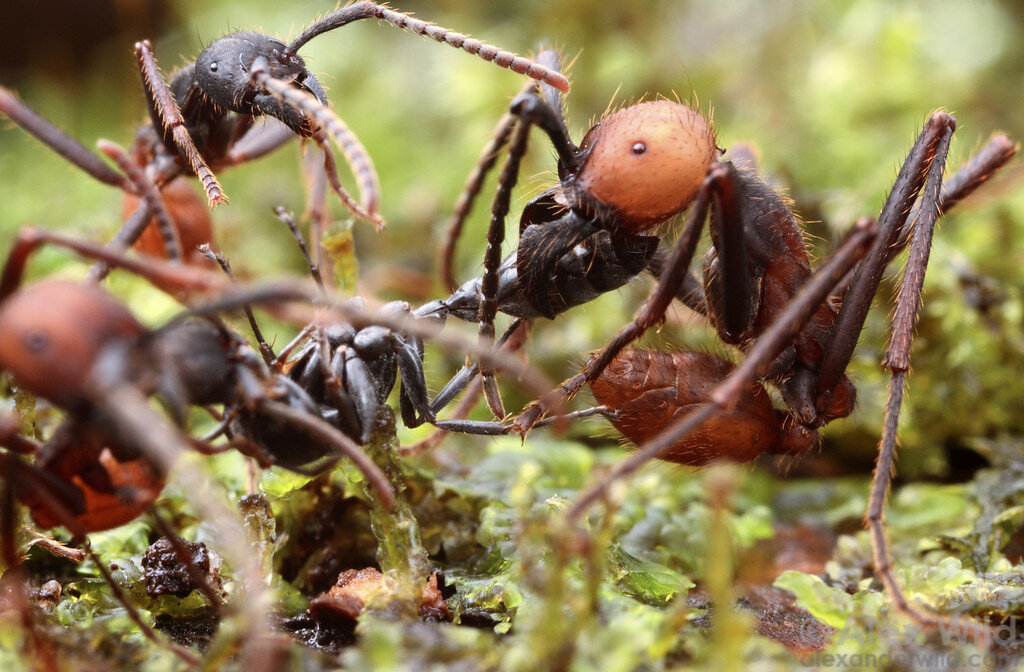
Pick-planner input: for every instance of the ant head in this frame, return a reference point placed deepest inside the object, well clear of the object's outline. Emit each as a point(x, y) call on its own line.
point(222, 71)
point(51, 334)
point(647, 161)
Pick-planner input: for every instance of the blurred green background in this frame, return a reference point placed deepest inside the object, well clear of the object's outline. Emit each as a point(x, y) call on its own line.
point(832, 94)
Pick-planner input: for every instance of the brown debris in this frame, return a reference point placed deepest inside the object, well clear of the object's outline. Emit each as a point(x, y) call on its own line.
point(801, 548)
point(355, 588)
point(165, 574)
point(779, 618)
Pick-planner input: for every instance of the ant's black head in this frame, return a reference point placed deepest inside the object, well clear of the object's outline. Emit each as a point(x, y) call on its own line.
point(222, 72)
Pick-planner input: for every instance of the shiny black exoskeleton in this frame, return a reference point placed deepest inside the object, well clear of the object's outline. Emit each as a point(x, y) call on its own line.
point(362, 370)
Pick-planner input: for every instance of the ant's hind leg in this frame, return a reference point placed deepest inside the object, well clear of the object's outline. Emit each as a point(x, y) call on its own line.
point(897, 360)
point(891, 222)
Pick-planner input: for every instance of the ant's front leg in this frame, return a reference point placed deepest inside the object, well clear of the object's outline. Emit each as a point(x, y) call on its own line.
point(163, 109)
point(721, 187)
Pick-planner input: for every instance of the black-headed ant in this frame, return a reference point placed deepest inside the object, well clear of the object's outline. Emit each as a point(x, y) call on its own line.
point(203, 119)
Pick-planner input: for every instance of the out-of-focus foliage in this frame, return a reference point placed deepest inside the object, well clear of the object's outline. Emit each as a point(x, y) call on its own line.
point(832, 94)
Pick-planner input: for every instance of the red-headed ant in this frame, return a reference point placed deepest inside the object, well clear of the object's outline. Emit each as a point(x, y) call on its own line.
point(640, 167)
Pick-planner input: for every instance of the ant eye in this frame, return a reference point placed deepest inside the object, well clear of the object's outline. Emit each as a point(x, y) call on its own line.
point(213, 66)
point(639, 148)
point(37, 341)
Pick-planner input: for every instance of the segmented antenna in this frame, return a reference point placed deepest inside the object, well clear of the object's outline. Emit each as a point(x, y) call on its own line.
point(488, 52)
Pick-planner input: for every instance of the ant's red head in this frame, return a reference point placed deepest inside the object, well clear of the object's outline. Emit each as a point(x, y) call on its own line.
point(52, 332)
point(647, 161)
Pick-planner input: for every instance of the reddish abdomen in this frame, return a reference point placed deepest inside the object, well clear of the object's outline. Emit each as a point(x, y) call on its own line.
point(652, 389)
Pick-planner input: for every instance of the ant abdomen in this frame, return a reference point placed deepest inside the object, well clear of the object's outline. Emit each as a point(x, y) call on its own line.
point(650, 389)
point(647, 161)
point(97, 488)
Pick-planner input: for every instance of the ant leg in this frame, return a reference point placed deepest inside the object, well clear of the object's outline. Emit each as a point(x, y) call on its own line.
point(996, 153)
point(868, 274)
point(59, 141)
point(771, 343)
point(342, 444)
point(897, 360)
point(366, 10)
point(163, 108)
point(150, 194)
point(317, 212)
point(553, 123)
point(691, 291)
point(355, 153)
point(171, 278)
point(136, 424)
point(11, 438)
point(492, 260)
point(654, 308)
point(468, 373)
point(414, 400)
point(286, 351)
point(289, 220)
point(266, 351)
point(453, 231)
point(461, 410)
point(130, 232)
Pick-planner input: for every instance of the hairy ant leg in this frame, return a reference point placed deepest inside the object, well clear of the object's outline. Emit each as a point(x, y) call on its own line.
point(995, 154)
point(265, 350)
point(897, 360)
point(868, 275)
point(471, 189)
point(492, 261)
point(151, 196)
point(165, 115)
point(171, 278)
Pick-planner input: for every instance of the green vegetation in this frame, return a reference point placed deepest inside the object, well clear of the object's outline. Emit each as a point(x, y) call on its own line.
point(832, 95)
